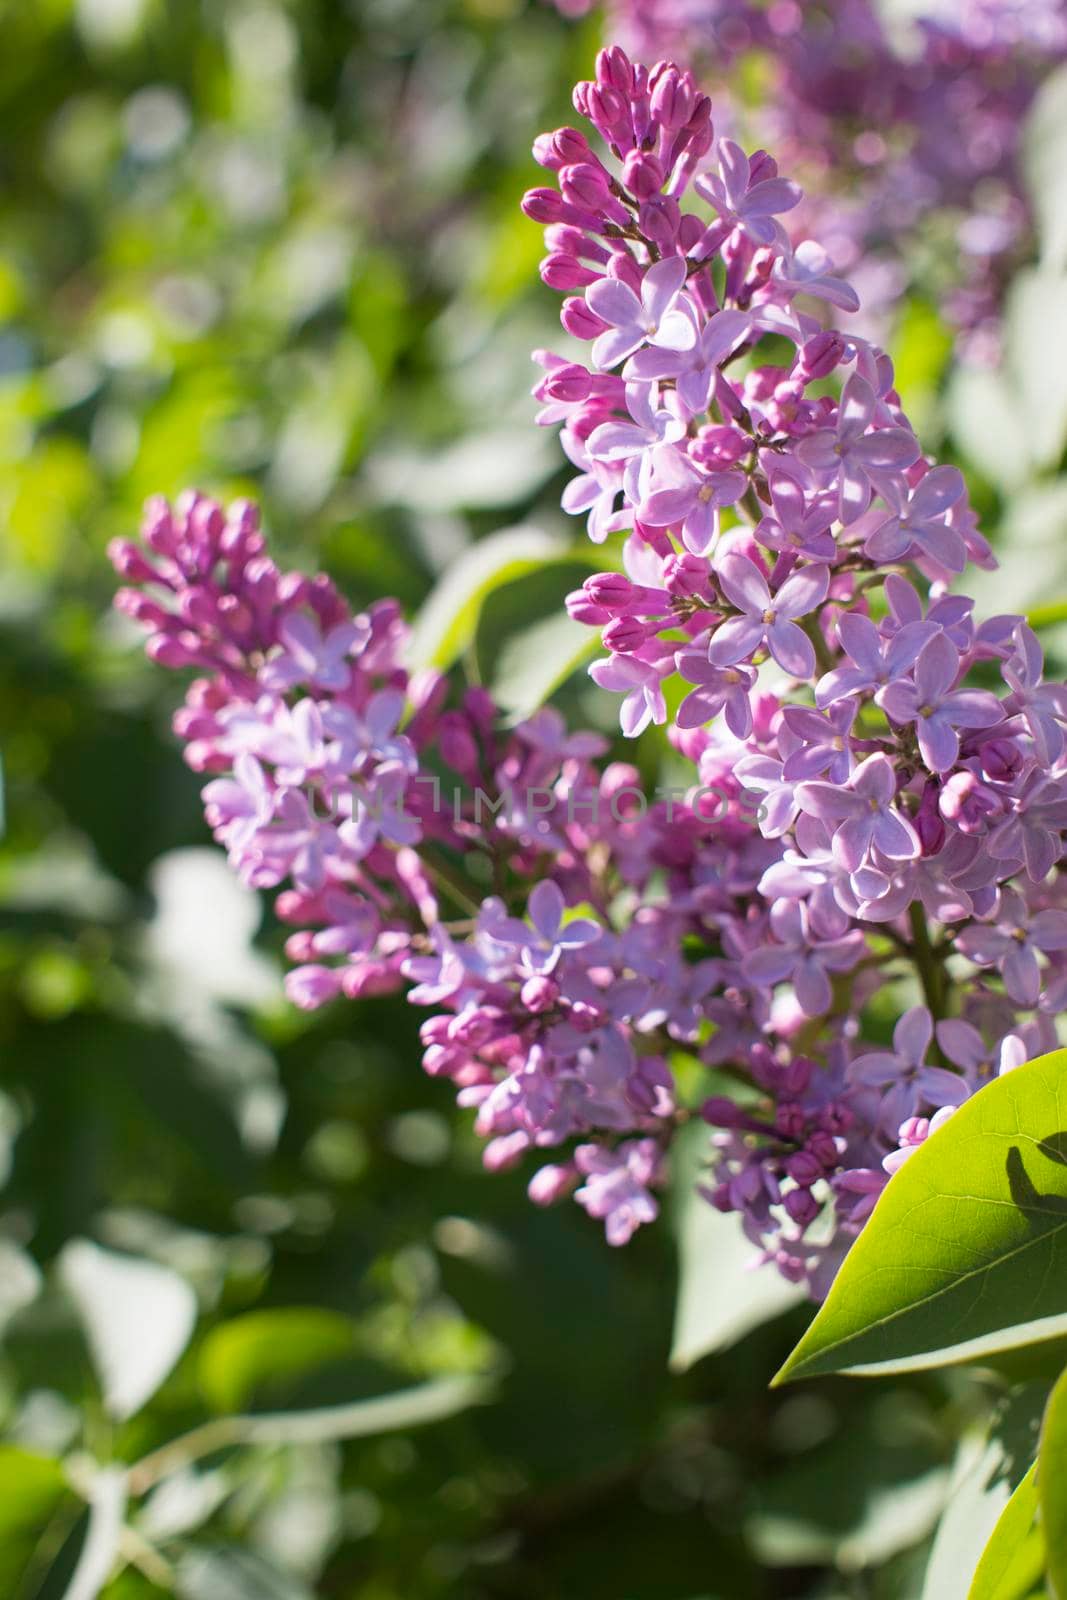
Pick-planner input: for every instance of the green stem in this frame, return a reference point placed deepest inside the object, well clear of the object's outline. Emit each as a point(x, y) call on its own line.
point(931, 973)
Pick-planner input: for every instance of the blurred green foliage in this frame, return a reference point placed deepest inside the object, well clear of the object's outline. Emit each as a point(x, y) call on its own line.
point(273, 247)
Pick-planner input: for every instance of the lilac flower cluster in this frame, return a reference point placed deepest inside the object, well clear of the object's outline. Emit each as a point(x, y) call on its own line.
point(878, 792)
point(896, 137)
point(790, 555)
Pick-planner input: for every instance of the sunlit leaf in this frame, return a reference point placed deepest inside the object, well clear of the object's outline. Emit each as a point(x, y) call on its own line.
point(966, 1252)
point(1052, 1486)
point(722, 1293)
point(986, 1472)
point(137, 1317)
point(32, 1488)
point(533, 664)
point(268, 1346)
point(1014, 1559)
point(448, 621)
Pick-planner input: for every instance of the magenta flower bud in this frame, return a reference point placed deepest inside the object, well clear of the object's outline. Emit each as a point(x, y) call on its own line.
point(761, 166)
point(623, 635)
point(820, 355)
point(299, 946)
point(615, 70)
point(789, 1120)
point(543, 205)
point(550, 1184)
point(804, 1169)
point(824, 1149)
point(539, 994)
point(722, 1112)
point(578, 320)
point(572, 382)
point(658, 220)
point(927, 820)
point(801, 1206)
point(456, 742)
point(175, 650)
point(797, 1076)
point(311, 987)
point(673, 97)
point(564, 273)
point(718, 445)
point(571, 146)
point(130, 563)
point(586, 185)
point(545, 152)
point(434, 1030)
point(611, 589)
point(582, 609)
point(642, 174)
point(721, 1197)
point(505, 1152)
point(686, 575)
point(1002, 760)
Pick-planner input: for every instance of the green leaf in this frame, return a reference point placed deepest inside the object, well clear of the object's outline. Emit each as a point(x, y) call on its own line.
point(985, 420)
point(986, 1472)
point(965, 1255)
point(448, 621)
point(1052, 1486)
point(1045, 166)
point(1014, 1559)
point(32, 1488)
point(534, 663)
point(137, 1316)
point(720, 1296)
point(264, 1346)
point(1048, 616)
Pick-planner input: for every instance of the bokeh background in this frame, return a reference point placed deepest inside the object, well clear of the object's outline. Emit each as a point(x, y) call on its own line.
point(274, 247)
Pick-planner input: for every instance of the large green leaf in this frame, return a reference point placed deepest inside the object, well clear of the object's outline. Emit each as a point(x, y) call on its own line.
point(32, 1489)
point(1052, 1486)
point(448, 621)
point(986, 1472)
point(263, 1347)
point(965, 1255)
point(534, 663)
point(1014, 1559)
point(720, 1296)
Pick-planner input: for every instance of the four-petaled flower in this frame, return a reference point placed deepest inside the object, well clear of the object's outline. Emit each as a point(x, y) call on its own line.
point(935, 706)
point(766, 620)
point(654, 318)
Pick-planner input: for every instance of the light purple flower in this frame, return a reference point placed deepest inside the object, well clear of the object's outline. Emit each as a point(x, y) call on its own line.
point(546, 909)
point(694, 370)
point(652, 425)
point(310, 656)
point(655, 318)
point(594, 490)
point(935, 707)
point(871, 661)
point(919, 519)
point(1011, 943)
point(801, 957)
point(807, 269)
point(765, 620)
point(903, 1073)
point(747, 205)
point(824, 742)
point(676, 493)
point(866, 818)
point(718, 689)
point(795, 524)
point(616, 1187)
point(1042, 706)
point(642, 684)
point(852, 453)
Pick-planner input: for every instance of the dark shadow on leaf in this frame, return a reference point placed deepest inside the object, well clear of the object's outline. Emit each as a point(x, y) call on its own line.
point(1023, 1191)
